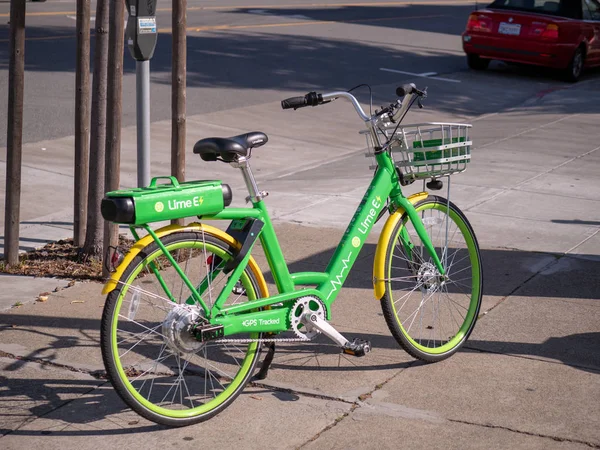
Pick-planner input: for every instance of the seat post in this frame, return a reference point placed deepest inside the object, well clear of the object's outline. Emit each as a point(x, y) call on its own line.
point(255, 194)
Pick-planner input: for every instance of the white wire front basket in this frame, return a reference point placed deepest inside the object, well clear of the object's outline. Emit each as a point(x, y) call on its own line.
point(425, 150)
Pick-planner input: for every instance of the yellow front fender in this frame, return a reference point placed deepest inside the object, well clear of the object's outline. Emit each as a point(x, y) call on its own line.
point(112, 283)
point(379, 275)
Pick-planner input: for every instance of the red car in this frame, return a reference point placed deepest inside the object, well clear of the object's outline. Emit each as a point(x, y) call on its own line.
point(562, 34)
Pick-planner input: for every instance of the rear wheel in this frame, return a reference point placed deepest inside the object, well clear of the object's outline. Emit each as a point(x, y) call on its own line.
point(430, 315)
point(475, 62)
point(575, 67)
point(156, 366)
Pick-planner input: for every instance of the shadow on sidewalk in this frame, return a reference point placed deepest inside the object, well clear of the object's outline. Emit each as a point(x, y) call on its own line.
point(91, 401)
point(95, 401)
point(504, 272)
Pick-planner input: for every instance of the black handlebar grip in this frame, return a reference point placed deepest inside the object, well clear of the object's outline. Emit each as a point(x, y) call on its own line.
point(405, 89)
point(294, 102)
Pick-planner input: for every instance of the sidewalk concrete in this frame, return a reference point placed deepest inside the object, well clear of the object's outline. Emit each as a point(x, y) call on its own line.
point(527, 378)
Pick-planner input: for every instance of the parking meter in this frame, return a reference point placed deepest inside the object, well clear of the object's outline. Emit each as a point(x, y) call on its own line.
point(141, 33)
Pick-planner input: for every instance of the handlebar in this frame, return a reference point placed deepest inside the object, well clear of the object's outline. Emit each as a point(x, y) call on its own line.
point(310, 99)
point(408, 91)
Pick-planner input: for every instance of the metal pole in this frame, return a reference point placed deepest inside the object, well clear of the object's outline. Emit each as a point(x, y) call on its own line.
point(14, 150)
point(142, 70)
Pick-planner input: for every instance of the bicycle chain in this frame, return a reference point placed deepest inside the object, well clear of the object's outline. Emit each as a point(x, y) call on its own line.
point(248, 341)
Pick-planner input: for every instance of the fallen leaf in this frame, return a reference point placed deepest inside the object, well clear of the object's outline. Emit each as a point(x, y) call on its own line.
point(71, 283)
point(256, 397)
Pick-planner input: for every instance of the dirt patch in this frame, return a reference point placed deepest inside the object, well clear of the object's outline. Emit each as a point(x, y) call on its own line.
point(61, 259)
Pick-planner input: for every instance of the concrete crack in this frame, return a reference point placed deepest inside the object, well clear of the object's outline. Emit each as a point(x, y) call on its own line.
point(96, 374)
point(355, 405)
point(528, 433)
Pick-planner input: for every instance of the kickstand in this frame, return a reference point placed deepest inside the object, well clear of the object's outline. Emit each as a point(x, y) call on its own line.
point(262, 374)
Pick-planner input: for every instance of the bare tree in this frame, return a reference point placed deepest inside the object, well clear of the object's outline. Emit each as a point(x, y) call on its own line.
point(113, 120)
point(94, 232)
point(82, 122)
point(178, 95)
point(14, 150)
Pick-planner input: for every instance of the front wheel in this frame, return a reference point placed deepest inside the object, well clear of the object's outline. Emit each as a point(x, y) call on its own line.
point(429, 314)
point(153, 361)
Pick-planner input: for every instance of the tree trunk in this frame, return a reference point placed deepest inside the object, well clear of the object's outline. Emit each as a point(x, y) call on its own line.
point(113, 120)
point(178, 95)
point(94, 232)
point(14, 141)
point(82, 122)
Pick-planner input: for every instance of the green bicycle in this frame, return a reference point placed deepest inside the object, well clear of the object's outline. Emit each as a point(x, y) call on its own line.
point(188, 310)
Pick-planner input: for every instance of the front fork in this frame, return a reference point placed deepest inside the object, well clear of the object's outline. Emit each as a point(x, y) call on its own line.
point(385, 162)
point(414, 217)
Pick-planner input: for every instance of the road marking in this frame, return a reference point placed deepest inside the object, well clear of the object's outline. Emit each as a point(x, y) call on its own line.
point(422, 75)
point(278, 7)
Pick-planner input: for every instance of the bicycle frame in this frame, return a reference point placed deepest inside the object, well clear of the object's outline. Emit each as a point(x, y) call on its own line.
point(251, 316)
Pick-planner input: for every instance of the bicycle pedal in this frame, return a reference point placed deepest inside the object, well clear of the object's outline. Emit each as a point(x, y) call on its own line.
point(357, 347)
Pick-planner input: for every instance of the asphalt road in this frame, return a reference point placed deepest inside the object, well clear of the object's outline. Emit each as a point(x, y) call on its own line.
point(241, 54)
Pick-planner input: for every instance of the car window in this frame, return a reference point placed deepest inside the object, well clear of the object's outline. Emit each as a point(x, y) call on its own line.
point(591, 9)
point(562, 8)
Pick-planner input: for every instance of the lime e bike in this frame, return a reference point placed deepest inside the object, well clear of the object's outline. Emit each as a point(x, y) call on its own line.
point(188, 310)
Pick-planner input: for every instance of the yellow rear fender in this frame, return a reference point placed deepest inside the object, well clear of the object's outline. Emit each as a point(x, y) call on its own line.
point(112, 283)
point(379, 275)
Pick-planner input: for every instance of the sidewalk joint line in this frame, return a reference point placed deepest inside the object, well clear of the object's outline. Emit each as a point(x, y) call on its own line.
point(528, 433)
point(592, 369)
point(524, 182)
point(582, 242)
point(503, 299)
point(355, 405)
point(43, 362)
point(528, 130)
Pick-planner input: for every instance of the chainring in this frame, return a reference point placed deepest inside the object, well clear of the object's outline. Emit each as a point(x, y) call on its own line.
point(301, 307)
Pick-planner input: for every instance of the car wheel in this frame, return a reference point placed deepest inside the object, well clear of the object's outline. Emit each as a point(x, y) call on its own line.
point(477, 63)
point(575, 67)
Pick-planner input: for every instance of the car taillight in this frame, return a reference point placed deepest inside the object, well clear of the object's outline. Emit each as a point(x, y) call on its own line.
point(545, 31)
point(551, 32)
point(479, 23)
